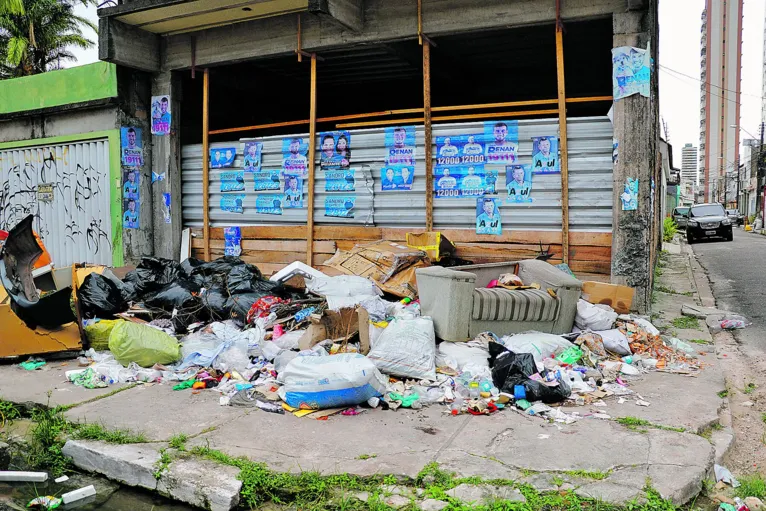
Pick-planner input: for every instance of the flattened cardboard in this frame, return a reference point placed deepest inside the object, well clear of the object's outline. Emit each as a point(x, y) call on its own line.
point(620, 298)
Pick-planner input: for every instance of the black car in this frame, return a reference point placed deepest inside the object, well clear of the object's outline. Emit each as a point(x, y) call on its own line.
point(708, 221)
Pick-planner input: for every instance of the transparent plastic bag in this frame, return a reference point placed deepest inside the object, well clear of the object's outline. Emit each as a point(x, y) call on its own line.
point(729, 322)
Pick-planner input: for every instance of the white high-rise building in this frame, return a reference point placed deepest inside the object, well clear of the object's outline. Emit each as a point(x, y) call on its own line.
point(689, 177)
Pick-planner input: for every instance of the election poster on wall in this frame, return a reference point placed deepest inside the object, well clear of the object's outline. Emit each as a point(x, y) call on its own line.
point(488, 219)
point(233, 203)
point(221, 157)
point(131, 177)
point(400, 145)
point(631, 72)
point(454, 182)
point(335, 150)
point(518, 182)
point(501, 142)
point(294, 160)
point(131, 214)
point(232, 241)
point(545, 155)
point(340, 206)
point(266, 180)
point(459, 150)
point(233, 181)
point(339, 180)
point(161, 115)
point(293, 192)
point(268, 204)
point(629, 195)
point(132, 146)
point(396, 177)
point(252, 160)
point(166, 200)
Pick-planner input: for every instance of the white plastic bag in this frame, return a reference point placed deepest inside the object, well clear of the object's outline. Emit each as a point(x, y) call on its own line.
point(407, 348)
point(333, 381)
point(458, 355)
point(590, 317)
point(289, 340)
point(343, 290)
point(540, 345)
point(615, 342)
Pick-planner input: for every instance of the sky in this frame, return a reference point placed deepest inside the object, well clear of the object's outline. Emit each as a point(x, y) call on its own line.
point(680, 23)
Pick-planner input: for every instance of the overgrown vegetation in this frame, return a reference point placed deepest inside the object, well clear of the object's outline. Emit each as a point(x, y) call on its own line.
point(99, 432)
point(669, 229)
point(588, 474)
point(8, 412)
point(749, 388)
point(723, 394)
point(671, 291)
point(162, 464)
point(686, 323)
point(178, 441)
point(636, 424)
point(751, 486)
point(47, 440)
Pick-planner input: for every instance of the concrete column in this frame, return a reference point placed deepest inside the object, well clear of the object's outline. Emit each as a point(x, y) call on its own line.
point(636, 131)
point(166, 159)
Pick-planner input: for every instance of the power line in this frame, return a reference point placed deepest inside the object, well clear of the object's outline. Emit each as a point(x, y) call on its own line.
point(708, 83)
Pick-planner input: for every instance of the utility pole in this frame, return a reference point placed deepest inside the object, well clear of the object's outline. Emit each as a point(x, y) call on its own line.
point(760, 173)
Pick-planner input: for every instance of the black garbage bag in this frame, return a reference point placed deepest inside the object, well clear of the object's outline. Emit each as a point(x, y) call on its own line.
point(178, 295)
point(153, 273)
point(241, 280)
point(214, 302)
point(100, 297)
point(240, 304)
point(510, 369)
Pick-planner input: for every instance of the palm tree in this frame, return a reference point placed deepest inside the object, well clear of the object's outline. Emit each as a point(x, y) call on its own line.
point(37, 39)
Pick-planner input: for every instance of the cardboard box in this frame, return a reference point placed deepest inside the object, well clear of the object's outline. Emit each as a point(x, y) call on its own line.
point(338, 326)
point(620, 298)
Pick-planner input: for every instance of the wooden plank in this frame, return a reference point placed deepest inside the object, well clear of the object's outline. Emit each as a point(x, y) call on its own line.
point(562, 111)
point(206, 162)
point(445, 118)
point(312, 161)
point(428, 134)
point(320, 247)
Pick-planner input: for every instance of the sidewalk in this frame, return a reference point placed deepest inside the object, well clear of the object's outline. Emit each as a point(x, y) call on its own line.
point(506, 445)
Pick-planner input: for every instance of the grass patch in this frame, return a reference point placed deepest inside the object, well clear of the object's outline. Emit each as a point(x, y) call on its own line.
point(751, 486)
point(634, 423)
point(707, 433)
point(698, 341)
point(47, 440)
point(671, 291)
point(99, 432)
point(366, 456)
point(64, 408)
point(749, 388)
point(763, 418)
point(178, 441)
point(595, 475)
point(686, 323)
point(723, 394)
point(162, 464)
point(8, 412)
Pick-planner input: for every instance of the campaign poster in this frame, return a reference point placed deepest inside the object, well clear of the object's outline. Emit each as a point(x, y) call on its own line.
point(232, 241)
point(221, 157)
point(459, 150)
point(339, 180)
point(490, 181)
point(266, 180)
point(396, 177)
point(615, 151)
point(456, 182)
point(488, 216)
point(132, 175)
point(268, 204)
point(341, 207)
point(161, 115)
point(166, 207)
point(252, 159)
point(400, 145)
point(233, 181)
point(335, 150)
point(130, 215)
point(233, 203)
point(501, 141)
point(158, 177)
point(293, 192)
point(631, 72)
point(294, 160)
point(545, 155)
point(629, 195)
point(132, 147)
point(518, 182)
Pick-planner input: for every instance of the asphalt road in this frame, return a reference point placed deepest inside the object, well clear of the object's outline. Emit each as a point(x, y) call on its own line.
point(737, 271)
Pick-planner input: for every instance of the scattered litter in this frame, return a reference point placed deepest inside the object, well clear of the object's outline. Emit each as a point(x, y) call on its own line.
point(747, 403)
point(621, 401)
point(723, 474)
point(32, 364)
point(79, 494)
point(543, 437)
point(641, 402)
point(61, 479)
point(728, 322)
point(13, 476)
point(44, 503)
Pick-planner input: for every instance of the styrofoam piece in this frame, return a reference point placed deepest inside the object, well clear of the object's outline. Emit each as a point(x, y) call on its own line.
point(302, 268)
point(75, 495)
point(14, 476)
point(61, 479)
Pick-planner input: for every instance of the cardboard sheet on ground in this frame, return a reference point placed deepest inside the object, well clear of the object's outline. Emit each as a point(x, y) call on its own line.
point(620, 298)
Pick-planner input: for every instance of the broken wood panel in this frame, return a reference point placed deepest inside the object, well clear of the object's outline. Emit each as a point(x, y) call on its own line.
point(320, 247)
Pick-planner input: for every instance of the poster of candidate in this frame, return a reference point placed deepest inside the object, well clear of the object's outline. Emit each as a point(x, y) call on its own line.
point(130, 215)
point(266, 180)
point(501, 141)
point(545, 155)
point(268, 204)
point(453, 182)
point(400, 145)
point(132, 147)
point(339, 180)
point(335, 150)
point(233, 181)
point(221, 157)
point(488, 216)
point(166, 207)
point(233, 203)
point(396, 177)
point(161, 115)
point(232, 241)
point(631, 71)
point(294, 161)
point(132, 175)
point(293, 192)
point(459, 150)
point(518, 182)
point(252, 160)
point(629, 195)
point(341, 207)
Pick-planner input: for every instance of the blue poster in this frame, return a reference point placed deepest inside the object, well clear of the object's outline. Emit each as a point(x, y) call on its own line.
point(342, 207)
point(233, 181)
point(518, 182)
point(268, 204)
point(459, 150)
point(631, 72)
point(266, 180)
point(252, 160)
point(232, 241)
point(132, 147)
point(222, 157)
point(396, 177)
point(490, 181)
point(454, 182)
point(335, 150)
point(400, 145)
point(339, 180)
point(161, 115)
point(629, 195)
point(501, 140)
point(166, 207)
point(488, 219)
point(545, 155)
point(233, 203)
point(130, 216)
point(294, 161)
point(293, 192)
point(131, 179)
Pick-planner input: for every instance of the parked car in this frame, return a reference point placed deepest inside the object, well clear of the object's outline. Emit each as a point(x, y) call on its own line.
point(735, 216)
point(679, 216)
point(708, 221)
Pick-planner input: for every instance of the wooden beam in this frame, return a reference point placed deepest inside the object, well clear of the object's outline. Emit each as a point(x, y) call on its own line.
point(312, 161)
point(564, 160)
point(206, 162)
point(444, 118)
point(427, 135)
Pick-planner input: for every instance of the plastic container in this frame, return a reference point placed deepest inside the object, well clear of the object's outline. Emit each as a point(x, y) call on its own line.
point(519, 392)
point(82, 493)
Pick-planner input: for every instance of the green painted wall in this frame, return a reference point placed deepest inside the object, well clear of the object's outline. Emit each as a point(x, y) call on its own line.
point(57, 88)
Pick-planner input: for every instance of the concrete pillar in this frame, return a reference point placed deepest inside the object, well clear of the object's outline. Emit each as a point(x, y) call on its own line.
point(636, 130)
point(166, 159)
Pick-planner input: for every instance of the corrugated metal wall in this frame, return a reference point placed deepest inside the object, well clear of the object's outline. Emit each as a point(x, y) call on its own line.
point(590, 184)
point(75, 224)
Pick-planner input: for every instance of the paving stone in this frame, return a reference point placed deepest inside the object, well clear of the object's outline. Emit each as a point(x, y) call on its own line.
point(433, 505)
point(396, 501)
point(468, 493)
point(609, 493)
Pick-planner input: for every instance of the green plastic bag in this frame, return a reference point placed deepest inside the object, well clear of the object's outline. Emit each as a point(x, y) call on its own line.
point(144, 345)
point(98, 333)
point(570, 356)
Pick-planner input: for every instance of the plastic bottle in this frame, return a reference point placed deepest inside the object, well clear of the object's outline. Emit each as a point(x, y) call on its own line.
point(473, 389)
point(485, 388)
point(457, 406)
point(741, 506)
